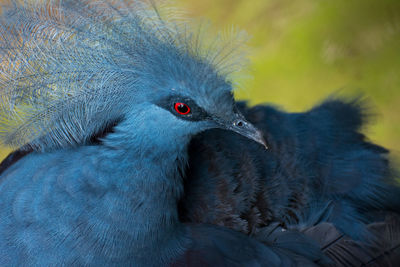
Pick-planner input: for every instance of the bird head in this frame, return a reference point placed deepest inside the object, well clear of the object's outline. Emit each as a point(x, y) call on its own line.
point(72, 67)
point(184, 117)
point(189, 96)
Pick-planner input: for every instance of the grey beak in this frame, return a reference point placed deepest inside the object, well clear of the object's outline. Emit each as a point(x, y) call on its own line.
point(246, 129)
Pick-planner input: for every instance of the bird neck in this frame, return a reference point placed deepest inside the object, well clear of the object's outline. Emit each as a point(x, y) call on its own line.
point(149, 184)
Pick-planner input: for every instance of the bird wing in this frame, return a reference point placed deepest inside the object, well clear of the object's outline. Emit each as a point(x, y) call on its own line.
point(55, 211)
point(304, 193)
point(382, 250)
point(220, 246)
point(319, 169)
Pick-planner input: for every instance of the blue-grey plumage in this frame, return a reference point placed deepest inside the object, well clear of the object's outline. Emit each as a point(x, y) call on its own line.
point(106, 95)
point(103, 205)
point(71, 69)
point(321, 188)
point(322, 179)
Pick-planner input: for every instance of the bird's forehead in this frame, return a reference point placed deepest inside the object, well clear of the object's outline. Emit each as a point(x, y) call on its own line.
point(218, 102)
point(183, 73)
point(212, 97)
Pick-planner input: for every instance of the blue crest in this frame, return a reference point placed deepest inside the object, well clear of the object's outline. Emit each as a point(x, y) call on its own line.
point(68, 68)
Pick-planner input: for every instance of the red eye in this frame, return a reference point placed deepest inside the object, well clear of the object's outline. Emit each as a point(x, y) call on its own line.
point(182, 108)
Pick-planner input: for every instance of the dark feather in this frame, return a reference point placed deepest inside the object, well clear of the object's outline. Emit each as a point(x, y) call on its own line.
point(320, 171)
point(320, 187)
point(383, 249)
point(12, 158)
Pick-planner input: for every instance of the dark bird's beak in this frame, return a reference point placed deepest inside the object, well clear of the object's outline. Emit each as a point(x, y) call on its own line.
point(246, 129)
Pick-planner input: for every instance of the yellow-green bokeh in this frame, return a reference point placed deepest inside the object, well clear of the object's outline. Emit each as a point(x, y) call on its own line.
point(304, 50)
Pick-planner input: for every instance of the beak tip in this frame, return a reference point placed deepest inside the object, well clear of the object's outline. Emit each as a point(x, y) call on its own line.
point(246, 129)
point(259, 138)
point(263, 143)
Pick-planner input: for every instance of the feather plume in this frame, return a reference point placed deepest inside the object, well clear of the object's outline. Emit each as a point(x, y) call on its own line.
point(68, 68)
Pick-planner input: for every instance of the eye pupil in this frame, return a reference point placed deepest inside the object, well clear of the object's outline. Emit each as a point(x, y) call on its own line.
point(182, 108)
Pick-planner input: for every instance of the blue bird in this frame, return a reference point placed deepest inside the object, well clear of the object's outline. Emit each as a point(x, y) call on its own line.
point(108, 95)
point(300, 196)
point(104, 97)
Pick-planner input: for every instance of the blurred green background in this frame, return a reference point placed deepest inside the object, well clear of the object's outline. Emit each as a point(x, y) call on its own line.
point(301, 51)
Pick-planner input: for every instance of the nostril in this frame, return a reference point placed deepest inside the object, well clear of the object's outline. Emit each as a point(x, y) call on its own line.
point(240, 123)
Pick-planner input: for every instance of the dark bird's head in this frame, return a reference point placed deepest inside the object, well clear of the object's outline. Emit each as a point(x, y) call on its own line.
point(92, 63)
